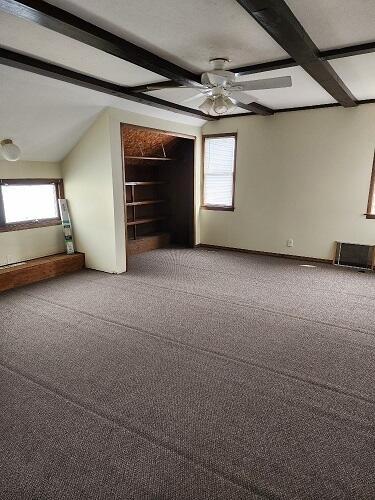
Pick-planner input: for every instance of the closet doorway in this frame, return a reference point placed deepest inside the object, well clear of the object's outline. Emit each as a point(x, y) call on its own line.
point(159, 188)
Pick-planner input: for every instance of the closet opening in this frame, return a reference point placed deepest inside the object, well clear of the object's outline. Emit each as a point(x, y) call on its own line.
point(158, 188)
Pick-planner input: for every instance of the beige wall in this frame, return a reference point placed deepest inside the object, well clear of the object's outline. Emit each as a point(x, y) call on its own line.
point(88, 181)
point(16, 246)
point(303, 175)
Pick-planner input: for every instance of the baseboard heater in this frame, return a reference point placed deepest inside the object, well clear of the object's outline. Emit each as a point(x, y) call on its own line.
point(353, 255)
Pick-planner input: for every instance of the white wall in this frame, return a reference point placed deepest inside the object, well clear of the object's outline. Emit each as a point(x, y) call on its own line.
point(16, 246)
point(303, 175)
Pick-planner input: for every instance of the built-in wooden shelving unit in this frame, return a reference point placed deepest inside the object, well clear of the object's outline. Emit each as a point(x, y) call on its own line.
point(145, 220)
point(159, 187)
point(144, 183)
point(144, 202)
point(152, 158)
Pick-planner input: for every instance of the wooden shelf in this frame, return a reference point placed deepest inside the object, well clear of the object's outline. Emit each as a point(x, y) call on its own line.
point(145, 220)
point(161, 158)
point(147, 243)
point(145, 202)
point(144, 183)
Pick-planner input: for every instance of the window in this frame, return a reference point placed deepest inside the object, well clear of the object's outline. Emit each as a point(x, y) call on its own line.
point(370, 214)
point(219, 159)
point(27, 203)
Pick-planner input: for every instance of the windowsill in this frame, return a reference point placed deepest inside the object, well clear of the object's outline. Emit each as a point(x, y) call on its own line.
point(217, 207)
point(20, 226)
point(370, 216)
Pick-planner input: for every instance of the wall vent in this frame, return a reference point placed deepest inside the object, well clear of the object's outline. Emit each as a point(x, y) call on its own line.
point(353, 255)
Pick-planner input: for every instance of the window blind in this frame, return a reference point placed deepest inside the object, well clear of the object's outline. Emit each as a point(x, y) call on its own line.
point(219, 159)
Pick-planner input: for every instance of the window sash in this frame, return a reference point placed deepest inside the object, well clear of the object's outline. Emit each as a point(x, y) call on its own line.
point(30, 223)
point(219, 159)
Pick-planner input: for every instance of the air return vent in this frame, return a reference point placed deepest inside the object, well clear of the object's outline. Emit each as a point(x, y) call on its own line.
point(352, 255)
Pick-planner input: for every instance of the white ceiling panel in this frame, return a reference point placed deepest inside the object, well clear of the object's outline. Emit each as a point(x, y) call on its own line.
point(188, 33)
point(46, 118)
point(336, 23)
point(31, 39)
point(304, 92)
point(358, 73)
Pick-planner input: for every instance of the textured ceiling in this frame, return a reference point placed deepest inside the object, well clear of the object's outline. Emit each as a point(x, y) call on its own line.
point(336, 23)
point(358, 73)
point(42, 43)
point(188, 33)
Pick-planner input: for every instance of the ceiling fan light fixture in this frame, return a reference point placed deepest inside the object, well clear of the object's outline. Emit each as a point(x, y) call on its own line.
point(10, 151)
point(206, 106)
point(222, 105)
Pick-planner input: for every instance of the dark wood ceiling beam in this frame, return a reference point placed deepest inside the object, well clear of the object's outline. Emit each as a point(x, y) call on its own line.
point(301, 108)
point(255, 108)
point(262, 67)
point(326, 55)
point(353, 50)
point(27, 63)
point(281, 24)
point(67, 24)
point(150, 87)
point(250, 69)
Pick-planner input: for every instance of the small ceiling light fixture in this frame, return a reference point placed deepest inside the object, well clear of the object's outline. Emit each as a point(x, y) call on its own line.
point(206, 106)
point(222, 105)
point(10, 151)
point(217, 105)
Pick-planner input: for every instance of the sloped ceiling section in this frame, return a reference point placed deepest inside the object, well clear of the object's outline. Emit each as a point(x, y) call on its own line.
point(46, 118)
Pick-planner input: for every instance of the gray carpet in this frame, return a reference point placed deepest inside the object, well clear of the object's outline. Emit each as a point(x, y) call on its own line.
point(197, 375)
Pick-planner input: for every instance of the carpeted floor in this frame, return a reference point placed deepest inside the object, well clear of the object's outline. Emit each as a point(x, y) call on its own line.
point(197, 375)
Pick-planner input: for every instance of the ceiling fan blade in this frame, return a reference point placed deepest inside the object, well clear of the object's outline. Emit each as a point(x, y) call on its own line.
point(237, 95)
point(245, 101)
point(265, 83)
point(217, 77)
point(201, 95)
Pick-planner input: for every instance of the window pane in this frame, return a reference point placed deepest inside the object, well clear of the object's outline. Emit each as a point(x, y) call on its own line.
point(218, 190)
point(29, 202)
point(218, 170)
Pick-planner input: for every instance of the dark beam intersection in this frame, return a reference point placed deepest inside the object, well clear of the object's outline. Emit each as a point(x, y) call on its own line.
point(275, 17)
point(68, 24)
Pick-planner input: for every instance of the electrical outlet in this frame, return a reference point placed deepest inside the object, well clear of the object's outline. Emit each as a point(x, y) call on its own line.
point(289, 242)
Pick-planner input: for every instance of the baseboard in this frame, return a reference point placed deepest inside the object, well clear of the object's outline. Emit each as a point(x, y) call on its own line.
point(269, 254)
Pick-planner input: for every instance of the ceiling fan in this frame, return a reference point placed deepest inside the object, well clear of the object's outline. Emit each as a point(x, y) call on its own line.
point(223, 91)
